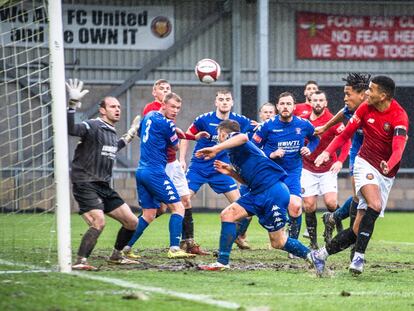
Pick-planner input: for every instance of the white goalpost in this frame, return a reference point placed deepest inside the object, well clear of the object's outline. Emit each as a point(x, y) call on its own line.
point(34, 169)
point(60, 137)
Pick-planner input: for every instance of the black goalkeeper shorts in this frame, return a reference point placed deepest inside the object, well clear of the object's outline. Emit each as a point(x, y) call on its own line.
point(96, 195)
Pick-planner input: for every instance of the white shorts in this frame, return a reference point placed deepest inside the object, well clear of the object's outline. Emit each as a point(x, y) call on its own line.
point(177, 175)
point(366, 174)
point(318, 183)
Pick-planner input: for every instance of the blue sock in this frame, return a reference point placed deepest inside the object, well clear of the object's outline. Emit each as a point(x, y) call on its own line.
point(176, 228)
point(296, 248)
point(295, 224)
point(142, 225)
point(343, 212)
point(243, 225)
point(227, 237)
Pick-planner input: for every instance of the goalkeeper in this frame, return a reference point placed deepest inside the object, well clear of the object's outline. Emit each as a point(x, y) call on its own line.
point(92, 173)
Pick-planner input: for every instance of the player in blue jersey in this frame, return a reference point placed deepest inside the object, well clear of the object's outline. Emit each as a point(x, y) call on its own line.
point(354, 94)
point(200, 171)
point(282, 139)
point(267, 198)
point(157, 133)
point(266, 111)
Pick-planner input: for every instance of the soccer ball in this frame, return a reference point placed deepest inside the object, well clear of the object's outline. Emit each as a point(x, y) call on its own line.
point(207, 70)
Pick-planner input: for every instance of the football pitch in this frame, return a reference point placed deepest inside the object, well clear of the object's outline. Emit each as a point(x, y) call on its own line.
point(260, 279)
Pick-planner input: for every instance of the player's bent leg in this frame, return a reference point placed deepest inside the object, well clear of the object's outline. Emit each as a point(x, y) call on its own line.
point(129, 223)
point(366, 224)
point(228, 233)
point(148, 215)
point(96, 220)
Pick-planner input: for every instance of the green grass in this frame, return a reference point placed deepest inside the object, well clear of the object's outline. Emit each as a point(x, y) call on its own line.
point(260, 277)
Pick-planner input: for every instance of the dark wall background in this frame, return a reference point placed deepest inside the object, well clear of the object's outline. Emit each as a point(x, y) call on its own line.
point(404, 96)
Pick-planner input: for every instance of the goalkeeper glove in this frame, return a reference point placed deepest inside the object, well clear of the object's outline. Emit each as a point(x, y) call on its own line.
point(74, 88)
point(128, 136)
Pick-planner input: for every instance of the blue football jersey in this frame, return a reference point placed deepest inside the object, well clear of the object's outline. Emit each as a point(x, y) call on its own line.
point(358, 136)
point(289, 136)
point(254, 167)
point(208, 122)
point(156, 134)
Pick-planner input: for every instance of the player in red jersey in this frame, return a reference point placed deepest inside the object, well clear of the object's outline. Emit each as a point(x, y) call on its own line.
point(303, 110)
point(176, 173)
point(385, 124)
point(321, 180)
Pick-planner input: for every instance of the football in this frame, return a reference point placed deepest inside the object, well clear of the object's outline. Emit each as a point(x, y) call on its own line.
point(207, 70)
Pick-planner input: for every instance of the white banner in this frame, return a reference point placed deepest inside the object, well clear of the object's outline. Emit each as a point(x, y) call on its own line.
point(94, 27)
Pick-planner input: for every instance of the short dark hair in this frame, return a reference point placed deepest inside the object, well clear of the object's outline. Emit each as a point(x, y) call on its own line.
point(357, 81)
point(229, 126)
point(102, 103)
point(171, 95)
point(318, 92)
point(285, 94)
point(311, 82)
point(386, 84)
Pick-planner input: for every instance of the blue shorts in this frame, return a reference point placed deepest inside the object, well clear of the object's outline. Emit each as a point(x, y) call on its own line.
point(243, 189)
point(218, 182)
point(292, 181)
point(270, 206)
point(154, 187)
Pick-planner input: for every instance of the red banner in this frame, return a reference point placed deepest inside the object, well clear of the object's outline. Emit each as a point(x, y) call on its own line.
point(335, 37)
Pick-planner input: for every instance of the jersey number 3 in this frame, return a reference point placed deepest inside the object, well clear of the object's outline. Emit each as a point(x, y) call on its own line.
point(147, 128)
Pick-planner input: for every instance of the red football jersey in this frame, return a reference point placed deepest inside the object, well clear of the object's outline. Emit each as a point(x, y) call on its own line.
point(325, 139)
point(379, 139)
point(303, 110)
point(155, 106)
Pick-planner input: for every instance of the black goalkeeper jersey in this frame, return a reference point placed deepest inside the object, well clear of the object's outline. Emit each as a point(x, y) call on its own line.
point(96, 151)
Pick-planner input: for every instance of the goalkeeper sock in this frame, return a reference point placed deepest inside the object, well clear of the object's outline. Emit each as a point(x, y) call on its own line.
point(88, 242)
point(142, 225)
point(366, 227)
point(188, 224)
point(123, 237)
point(227, 237)
point(176, 228)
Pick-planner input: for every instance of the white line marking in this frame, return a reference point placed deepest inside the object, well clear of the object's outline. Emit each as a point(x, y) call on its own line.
point(204, 299)
point(23, 271)
point(193, 297)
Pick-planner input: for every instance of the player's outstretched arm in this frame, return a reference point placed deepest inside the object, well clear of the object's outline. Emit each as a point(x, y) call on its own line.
point(211, 152)
point(75, 94)
point(339, 117)
point(132, 131)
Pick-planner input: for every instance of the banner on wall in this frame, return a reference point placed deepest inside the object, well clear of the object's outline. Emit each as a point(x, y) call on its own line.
point(347, 37)
point(94, 27)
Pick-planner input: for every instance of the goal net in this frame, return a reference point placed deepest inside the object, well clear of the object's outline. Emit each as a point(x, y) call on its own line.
point(28, 237)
